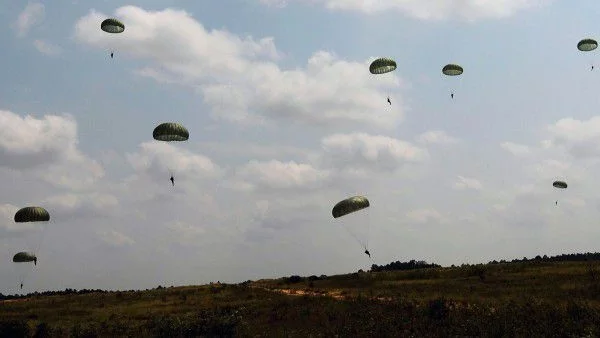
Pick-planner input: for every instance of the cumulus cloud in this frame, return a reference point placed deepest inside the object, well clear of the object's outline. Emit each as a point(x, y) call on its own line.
point(580, 138)
point(467, 183)
point(114, 238)
point(426, 10)
point(48, 146)
point(361, 150)
point(436, 137)
point(156, 158)
point(425, 215)
point(47, 48)
point(282, 175)
point(32, 15)
point(239, 77)
point(516, 149)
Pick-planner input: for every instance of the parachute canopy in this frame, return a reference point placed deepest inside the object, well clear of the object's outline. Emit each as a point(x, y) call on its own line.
point(349, 206)
point(112, 26)
point(452, 70)
point(170, 132)
point(32, 214)
point(587, 45)
point(23, 257)
point(382, 65)
point(560, 184)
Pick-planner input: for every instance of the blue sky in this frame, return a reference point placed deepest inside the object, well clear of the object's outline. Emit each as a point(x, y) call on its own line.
point(285, 120)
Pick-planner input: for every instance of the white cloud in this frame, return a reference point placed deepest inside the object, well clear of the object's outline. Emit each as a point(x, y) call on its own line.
point(436, 137)
point(580, 138)
point(47, 48)
point(115, 238)
point(48, 146)
point(361, 150)
point(239, 78)
point(426, 10)
point(425, 215)
point(467, 183)
point(516, 149)
point(32, 15)
point(279, 175)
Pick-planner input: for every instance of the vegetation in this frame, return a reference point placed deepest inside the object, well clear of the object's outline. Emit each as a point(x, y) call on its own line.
point(556, 296)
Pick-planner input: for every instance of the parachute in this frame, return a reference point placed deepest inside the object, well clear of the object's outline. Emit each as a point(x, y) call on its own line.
point(349, 206)
point(587, 45)
point(452, 70)
point(32, 214)
point(113, 26)
point(382, 66)
point(356, 223)
point(170, 131)
point(24, 257)
point(559, 184)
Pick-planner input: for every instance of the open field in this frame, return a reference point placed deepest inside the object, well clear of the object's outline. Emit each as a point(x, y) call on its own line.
point(512, 299)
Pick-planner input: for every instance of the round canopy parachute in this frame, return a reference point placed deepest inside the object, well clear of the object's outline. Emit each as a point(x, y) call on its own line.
point(382, 65)
point(452, 70)
point(24, 257)
point(559, 184)
point(32, 214)
point(112, 26)
point(349, 205)
point(170, 132)
point(587, 45)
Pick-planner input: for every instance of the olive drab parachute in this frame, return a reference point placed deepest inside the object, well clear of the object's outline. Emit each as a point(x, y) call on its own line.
point(559, 184)
point(353, 220)
point(24, 257)
point(382, 66)
point(170, 131)
point(349, 205)
point(32, 214)
point(113, 26)
point(587, 45)
point(452, 69)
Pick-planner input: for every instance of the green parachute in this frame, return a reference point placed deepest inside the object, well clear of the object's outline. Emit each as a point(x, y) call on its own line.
point(170, 131)
point(559, 185)
point(382, 66)
point(112, 26)
point(452, 69)
point(24, 257)
point(356, 223)
point(587, 45)
point(32, 214)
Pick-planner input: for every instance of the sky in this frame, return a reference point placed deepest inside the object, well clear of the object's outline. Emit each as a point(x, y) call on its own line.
point(285, 120)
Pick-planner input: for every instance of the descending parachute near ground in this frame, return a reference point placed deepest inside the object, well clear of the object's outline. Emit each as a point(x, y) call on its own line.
point(559, 185)
point(452, 70)
point(169, 132)
point(382, 66)
point(112, 26)
point(587, 45)
point(354, 221)
point(30, 214)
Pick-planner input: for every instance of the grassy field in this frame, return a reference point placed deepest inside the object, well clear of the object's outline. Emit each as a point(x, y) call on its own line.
point(500, 300)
